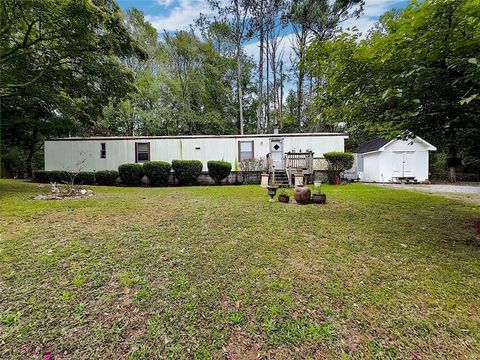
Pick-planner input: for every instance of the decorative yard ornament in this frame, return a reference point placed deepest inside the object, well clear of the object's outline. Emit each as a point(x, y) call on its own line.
point(302, 195)
point(272, 191)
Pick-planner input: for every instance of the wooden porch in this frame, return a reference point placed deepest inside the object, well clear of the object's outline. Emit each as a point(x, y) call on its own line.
point(296, 164)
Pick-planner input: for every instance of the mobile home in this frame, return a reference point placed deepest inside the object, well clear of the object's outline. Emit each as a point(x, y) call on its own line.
point(107, 153)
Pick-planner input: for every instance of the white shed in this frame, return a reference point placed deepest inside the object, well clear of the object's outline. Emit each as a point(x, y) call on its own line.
point(382, 160)
point(107, 153)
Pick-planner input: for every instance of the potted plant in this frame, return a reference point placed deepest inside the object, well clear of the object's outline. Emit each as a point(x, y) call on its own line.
point(319, 197)
point(283, 197)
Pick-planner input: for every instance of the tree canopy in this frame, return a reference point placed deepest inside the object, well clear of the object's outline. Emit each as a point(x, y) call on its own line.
point(419, 69)
point(60, 65)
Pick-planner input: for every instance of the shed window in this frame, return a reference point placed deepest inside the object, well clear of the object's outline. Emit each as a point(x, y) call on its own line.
point(142, 152)
point(245, 150)
point(103, 151)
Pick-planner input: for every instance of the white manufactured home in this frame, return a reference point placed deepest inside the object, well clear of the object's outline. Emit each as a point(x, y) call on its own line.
point(382, 160)
point(107, 153)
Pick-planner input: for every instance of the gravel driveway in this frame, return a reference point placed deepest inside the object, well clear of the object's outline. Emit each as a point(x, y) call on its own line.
point(439, 188)
point(461, 192)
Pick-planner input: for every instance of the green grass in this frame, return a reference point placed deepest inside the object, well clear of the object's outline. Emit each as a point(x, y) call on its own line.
point(143, 273)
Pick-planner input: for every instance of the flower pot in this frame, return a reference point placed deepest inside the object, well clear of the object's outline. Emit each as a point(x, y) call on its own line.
point(319, 198)
point(333, 179)
point(284, 198)
point(302, 195)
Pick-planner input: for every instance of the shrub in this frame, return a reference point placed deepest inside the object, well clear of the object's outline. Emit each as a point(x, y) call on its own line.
point(338, 162)
point(438, 166)
point(46, 176)
point(187, 171)
point(131, 174)
point(106, 177)
point(41, 176)
point(59, 176)
point(219, 170)
point(157, 172)
point(85, 178)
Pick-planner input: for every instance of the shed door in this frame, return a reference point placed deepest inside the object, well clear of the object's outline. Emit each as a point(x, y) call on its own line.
point(403, 163)
point(276, 151)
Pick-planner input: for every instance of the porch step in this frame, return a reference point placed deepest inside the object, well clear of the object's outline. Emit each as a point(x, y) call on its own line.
point(281, 178)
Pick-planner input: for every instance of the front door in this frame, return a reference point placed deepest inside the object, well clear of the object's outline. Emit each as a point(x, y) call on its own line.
point(276, 152)
point(403, 163)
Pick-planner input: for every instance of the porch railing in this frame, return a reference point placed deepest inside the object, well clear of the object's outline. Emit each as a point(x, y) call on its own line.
point(299, 161)
point(294, 162)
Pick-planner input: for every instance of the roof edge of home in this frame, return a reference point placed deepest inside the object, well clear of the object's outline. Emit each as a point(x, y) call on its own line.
point(93, 138)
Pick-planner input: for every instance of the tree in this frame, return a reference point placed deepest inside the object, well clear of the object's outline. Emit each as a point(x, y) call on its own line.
point(236, 14)
point(187, 86)
point(60, 65)
point(260, 27)
point(418, 70)
point(320, 19)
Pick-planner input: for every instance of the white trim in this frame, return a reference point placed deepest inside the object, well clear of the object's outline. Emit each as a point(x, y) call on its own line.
point(429, 146)
point(140, 138)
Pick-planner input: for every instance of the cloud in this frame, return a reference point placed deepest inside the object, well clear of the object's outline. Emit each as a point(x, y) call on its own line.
point(165, 3)
point(285, 46)
point(178, 15)
point(373, 9)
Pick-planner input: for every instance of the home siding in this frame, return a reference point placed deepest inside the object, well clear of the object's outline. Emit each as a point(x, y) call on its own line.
point(371, 167)
point(84, 154)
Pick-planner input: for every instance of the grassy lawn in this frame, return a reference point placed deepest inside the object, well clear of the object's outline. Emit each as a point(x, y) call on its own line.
point(145, 273)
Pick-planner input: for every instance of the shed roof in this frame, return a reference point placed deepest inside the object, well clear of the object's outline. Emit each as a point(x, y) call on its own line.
point(372, 145)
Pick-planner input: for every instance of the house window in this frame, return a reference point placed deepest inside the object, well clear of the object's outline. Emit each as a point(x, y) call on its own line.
point(142, 151)
point(245, 150)
point(103, 151)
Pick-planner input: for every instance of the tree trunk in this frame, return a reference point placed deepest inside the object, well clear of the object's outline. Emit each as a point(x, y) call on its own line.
point(273, 55)
point(239, 66)
point(260, 74)
point(452, 154)
point(301, 76)
point(267, 105)
point(239, 88)
point(29, 163)
point(281, 94)
point(452, 174)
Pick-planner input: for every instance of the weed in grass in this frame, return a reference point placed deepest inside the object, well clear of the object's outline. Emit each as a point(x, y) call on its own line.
point(236, 318)
point(127, 279)
point(9, 318)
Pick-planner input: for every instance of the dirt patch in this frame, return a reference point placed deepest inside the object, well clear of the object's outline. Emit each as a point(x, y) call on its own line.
point(241, 346)
point(476, 225)
point(74, 194)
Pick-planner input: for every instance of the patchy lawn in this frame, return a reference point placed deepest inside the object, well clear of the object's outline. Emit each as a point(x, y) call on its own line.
point(146, 273)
